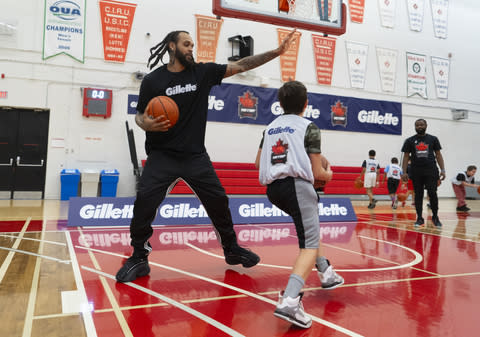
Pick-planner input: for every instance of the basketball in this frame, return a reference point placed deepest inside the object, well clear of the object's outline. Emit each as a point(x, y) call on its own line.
point(163, 106)
point(358, 183)
point(478, 189)
point(402, 197)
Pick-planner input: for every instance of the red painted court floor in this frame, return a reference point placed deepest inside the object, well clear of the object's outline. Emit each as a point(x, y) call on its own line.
point(399, 280)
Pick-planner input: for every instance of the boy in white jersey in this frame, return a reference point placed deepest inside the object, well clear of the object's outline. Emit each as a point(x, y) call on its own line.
point(370, 174)
point(393, 173)
point(289, 161)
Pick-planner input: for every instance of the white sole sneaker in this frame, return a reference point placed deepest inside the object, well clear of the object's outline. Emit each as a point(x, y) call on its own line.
point(291, 310)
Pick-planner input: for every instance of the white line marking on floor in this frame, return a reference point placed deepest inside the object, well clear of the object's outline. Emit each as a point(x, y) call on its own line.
point(179, 305)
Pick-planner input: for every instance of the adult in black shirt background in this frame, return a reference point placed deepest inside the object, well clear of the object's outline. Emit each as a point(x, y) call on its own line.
point(423, 150)
point(179, 152)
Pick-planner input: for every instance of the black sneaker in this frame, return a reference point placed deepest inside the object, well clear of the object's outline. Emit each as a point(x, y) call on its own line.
point(463, 208)
point(239, 255)
point(371, 206)
point(419, 222)
point(134, 267)
point(436, 221)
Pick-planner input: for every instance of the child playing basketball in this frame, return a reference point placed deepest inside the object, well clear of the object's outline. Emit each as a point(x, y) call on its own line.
point(393, 173)
point(289, 161)
point(370, 171)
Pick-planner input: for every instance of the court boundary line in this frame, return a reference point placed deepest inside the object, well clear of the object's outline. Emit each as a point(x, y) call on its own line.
point(86, 314)
point(221, 284)
point(172, 302)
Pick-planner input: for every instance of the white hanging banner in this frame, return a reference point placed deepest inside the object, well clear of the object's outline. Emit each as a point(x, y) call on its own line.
point(441, 69)
point(64, 29)
point(416, 75)
point(415, 14)
point(440, 17)
point(387, 68)
point(357, 63)
point(386, 9)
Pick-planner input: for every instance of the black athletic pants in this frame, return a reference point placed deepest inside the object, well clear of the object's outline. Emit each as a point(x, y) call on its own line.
point(161, 170)
point(425, 178)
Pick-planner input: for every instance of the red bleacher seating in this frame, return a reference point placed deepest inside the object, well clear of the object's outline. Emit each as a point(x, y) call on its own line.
point(242, 178)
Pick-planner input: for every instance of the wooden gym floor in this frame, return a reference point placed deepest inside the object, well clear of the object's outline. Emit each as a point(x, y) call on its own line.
point(399, 280)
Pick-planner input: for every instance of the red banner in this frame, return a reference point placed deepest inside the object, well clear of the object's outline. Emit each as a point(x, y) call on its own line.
point(117, 19)
point(208, 31)
point(288, 60)
point(324, 50)
point(356, 9)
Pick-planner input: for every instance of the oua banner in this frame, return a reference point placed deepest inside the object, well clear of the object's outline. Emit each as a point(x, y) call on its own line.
point(324, 52)
point(64, 29)
point(356, 9)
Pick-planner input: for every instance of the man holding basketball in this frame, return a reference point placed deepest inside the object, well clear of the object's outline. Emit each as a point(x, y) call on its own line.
point(178, 152)
point(424, 152)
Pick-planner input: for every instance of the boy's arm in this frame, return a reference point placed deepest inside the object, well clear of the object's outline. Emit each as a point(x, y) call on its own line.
point(319, 171)
point(257, 160)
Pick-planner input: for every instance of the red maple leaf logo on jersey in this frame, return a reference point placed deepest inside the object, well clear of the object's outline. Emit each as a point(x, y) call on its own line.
point(279, 148)
point(248, 101)
point(421, 146)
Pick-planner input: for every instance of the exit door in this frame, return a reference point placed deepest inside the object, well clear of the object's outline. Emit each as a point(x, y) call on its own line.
point(23, 153)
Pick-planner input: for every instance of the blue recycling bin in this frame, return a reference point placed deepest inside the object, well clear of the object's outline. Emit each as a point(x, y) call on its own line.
point(69, 179)
point(109, 182)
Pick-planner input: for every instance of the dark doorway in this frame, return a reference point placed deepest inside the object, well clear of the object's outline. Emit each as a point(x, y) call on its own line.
point(23, 152)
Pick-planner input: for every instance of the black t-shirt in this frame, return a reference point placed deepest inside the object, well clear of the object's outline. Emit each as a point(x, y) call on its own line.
point(422, 150)
point(189, 89)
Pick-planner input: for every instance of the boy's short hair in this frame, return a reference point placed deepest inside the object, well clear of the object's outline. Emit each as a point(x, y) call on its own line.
point(394, 160)
point(372, 153)
point(292, 96)
point(471, 167)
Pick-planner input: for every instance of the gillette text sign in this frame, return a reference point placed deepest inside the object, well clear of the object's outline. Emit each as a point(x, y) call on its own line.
point(189, 211)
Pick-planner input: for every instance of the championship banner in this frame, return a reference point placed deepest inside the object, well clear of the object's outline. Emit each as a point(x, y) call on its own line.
point(386, 9)
point(208, 31)
point(190, 211)
point(117, 20)
point(324, 52)
point(356, 9)
point(288, 60)
point(441, 69)
point(64, 29)
point(235, 103)
point(387, 68)
point(440, 17)
point(415, 10)
point(357, 63)
point(416, 75)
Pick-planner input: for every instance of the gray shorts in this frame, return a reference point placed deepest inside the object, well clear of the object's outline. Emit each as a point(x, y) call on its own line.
point(297, 197)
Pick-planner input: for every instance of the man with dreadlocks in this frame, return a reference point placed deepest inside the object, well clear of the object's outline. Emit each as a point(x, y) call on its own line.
point(179, 152)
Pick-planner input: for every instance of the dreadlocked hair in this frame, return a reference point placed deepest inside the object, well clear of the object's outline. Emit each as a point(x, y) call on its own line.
point(157, 52)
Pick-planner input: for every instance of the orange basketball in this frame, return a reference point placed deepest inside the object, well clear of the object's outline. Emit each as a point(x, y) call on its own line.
point(358, 183)
point(478, 189)
point(402, 197)
point(163, 106)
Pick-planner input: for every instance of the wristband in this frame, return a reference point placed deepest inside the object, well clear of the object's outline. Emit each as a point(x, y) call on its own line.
point(442, 171)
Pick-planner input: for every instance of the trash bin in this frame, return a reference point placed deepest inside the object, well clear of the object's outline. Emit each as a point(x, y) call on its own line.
point(90, 183)
point(109, 182)
point(69, 179)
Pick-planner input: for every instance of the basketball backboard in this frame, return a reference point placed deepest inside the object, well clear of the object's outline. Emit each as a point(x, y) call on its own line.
point(324, 16)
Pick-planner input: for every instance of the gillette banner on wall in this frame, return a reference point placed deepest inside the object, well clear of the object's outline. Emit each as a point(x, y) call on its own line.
point(234, 103)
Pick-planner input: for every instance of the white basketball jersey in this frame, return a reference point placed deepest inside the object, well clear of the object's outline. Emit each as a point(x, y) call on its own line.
point(283, 152)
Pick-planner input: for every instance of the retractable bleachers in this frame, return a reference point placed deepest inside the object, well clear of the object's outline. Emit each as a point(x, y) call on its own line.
point(242, 178)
